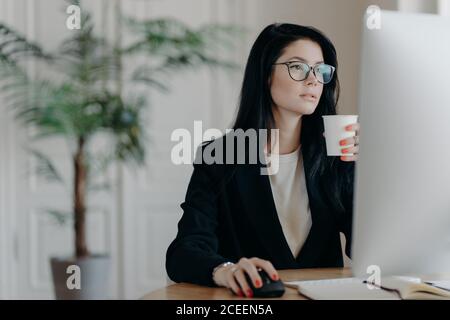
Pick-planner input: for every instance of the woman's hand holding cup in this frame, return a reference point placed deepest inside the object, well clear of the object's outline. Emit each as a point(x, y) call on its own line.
point(342, 136)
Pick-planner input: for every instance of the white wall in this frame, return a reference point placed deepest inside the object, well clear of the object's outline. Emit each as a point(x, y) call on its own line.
point(441, 7)
point(424, 6)
point(444, 7)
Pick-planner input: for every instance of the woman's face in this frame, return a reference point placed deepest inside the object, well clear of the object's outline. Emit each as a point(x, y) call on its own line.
point(299, 97)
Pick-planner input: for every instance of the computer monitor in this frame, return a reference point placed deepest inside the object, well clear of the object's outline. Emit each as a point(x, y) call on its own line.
point(402, 186)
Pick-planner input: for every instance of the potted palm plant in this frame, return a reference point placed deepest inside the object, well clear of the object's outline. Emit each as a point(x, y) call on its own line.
point(81, 97)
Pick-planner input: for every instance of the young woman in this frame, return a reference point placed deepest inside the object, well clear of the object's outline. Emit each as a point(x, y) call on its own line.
point(237, 220)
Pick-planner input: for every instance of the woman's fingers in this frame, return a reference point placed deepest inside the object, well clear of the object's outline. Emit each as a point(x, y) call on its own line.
point(354, 150)
point(239, 275)
point(349, 141)
point(349, 158)
point(267, 267)
point(249, 267)
point(352, 147)
point(238, 281)
point(232, 284)
point(353, 127)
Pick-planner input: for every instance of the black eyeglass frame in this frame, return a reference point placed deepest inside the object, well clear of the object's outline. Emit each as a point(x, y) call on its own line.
point(288, 63)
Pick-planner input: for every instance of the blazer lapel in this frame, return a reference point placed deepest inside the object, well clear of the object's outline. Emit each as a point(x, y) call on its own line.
point(256, 194)
point(321, 223)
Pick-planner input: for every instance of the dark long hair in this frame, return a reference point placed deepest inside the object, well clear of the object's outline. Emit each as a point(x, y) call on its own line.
point(333, 177)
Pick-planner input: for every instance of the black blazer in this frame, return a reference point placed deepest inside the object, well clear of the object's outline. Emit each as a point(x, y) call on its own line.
point(229, 213)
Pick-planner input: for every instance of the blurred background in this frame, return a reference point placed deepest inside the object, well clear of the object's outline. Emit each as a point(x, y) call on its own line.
point(168, 63)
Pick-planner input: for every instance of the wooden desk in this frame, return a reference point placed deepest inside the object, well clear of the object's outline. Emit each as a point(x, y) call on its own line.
point(186, 291)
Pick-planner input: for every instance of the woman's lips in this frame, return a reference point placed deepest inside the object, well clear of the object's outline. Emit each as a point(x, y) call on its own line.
point(309, 97)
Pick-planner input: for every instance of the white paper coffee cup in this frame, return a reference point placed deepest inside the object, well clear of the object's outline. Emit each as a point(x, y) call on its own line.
point(335, 131)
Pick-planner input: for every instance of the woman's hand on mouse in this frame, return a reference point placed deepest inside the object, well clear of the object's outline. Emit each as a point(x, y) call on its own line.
point(351, 145)
point(233, 276)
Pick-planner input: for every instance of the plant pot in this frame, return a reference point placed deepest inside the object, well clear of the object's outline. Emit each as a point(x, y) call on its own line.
point(81, 279)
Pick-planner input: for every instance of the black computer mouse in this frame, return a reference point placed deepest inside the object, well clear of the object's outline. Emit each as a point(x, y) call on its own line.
point(269, 289)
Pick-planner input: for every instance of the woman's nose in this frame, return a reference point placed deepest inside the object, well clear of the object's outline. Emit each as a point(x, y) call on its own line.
point(311, 80)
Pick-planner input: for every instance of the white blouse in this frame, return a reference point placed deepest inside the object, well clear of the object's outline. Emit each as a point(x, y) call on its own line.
point(291, 199)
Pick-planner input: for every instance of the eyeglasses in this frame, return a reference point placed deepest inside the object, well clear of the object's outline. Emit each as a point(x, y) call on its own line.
point(299, 71)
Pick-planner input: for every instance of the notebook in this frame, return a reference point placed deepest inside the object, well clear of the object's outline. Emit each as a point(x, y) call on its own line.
point(392, 288)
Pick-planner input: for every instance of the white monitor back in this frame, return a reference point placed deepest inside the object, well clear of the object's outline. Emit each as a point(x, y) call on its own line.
point(402, 186)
